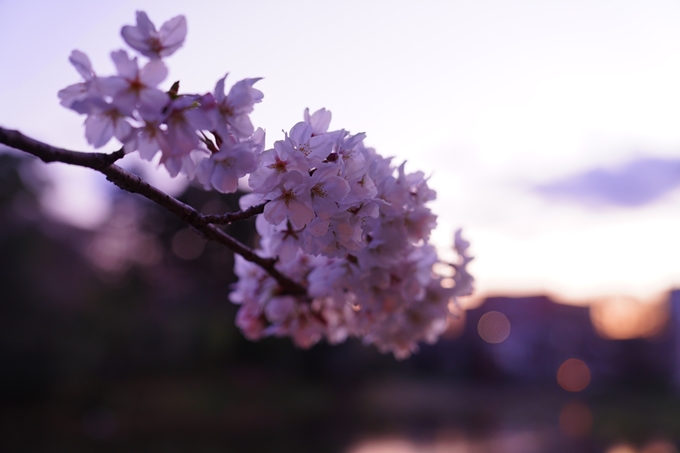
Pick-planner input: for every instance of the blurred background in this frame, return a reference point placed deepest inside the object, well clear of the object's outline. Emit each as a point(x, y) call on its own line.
point(550, 133)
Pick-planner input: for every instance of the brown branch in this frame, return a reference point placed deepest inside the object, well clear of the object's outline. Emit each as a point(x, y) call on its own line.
point(221, 219)
point(47, 153)
point(104, 163)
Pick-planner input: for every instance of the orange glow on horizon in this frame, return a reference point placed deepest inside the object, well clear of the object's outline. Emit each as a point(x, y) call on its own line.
point(619, 318)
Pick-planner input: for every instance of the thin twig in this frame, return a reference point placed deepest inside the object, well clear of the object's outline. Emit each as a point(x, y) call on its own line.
point(105, 163)
point(222, 219)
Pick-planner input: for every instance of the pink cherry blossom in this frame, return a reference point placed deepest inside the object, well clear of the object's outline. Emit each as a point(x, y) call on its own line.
point(301, 140)
point(144, 38)
point(282, 241)
point(463, 280)
point(183, 120)
point(335, 236)
point(272, 165)
point(104, 121)
point(346, 224)
point(231, 111)
point(89, 88)
point(223, 169)
point(79, 90)
point(150, 137)
point(327, 190)
point(319, 120)
point(290, 200)
point(138, 86)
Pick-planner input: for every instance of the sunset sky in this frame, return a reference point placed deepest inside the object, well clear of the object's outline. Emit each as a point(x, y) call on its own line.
point(551, 130)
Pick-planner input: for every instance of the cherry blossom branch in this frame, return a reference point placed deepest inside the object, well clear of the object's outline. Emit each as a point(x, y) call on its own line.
point(222, 219)
point(48, 153)
point(105, 164)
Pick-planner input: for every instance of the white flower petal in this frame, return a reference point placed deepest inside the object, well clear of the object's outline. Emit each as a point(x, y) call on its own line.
point(153, 73)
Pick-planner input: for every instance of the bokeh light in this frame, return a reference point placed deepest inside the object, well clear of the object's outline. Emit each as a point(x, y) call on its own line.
point(576, 419)
point(494, 327)
point(384, 446)
point(659, 446)
point(655, 446)
point(621, 448)
point(621, 317)
point(573, 375)
point(187, 245)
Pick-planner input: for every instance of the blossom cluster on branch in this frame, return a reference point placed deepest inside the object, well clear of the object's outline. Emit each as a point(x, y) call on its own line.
point(341, 221)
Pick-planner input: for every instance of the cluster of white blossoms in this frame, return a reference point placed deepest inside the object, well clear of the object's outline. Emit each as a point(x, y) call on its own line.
point(339, 219)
